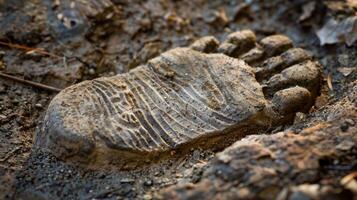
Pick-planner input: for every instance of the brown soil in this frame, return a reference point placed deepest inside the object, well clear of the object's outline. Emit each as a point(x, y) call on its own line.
point(138, 31)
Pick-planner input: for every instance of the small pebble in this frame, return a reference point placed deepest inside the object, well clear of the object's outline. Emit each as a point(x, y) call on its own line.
point(147, 197)
point(2, 65)
point(345, 145)
point(91, 71)
point(196, 155)
point(350, 122)
point(343, 59)
point(2, 88)
point(127, 180)
point(344, 127)
point(148, 183)
point(299, 117)
point(38, 105)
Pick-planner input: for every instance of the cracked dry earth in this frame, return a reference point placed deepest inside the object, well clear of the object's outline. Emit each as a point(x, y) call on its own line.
point(198, 96)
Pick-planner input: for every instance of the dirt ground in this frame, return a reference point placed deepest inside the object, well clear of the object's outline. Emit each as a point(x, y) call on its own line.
point(126, 34)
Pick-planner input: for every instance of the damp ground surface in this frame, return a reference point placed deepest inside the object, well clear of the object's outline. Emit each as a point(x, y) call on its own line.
point(314, 158)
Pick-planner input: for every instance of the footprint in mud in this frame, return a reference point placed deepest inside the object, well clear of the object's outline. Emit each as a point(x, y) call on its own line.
point(207, 95)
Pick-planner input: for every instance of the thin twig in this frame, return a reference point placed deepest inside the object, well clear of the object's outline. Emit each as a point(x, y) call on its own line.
point(52, 184)
point(29, 49)
point(329, 82)
point(9, 154)
point(34, 84)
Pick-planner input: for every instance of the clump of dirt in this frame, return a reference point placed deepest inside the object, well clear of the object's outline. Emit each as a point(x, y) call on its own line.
point(137, 31)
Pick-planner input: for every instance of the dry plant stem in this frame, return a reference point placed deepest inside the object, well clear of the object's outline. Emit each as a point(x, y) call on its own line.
point(31, 83)
point(29, 49)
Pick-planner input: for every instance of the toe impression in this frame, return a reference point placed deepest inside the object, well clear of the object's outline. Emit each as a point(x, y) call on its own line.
point(291, 100)
point(238, 43)
point(276, 44)
point(305, 74)
point(206, 44)
point(278, 63)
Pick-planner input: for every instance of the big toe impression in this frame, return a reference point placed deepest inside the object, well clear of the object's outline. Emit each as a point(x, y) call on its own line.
point(68, 126)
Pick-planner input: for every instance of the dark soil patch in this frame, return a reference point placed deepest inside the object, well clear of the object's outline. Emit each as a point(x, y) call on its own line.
point(135, 32)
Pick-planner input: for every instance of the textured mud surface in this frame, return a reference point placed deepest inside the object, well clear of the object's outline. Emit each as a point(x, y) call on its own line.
point(126, 35)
